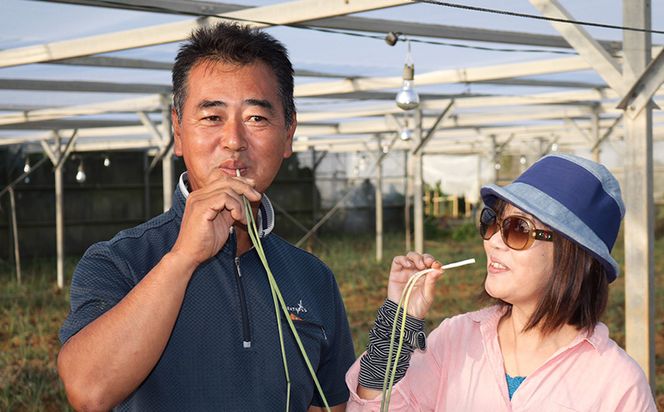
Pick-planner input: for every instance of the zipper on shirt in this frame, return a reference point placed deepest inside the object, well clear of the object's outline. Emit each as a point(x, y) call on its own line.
point(246, 332)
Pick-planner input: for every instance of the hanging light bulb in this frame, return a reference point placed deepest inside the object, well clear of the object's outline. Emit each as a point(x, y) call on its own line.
point(80, 175)
point(386, 147)
point(554, 147)
point(497, 166)
point(107, 161)
point(407, 98)
point(523, 160)
point(26, 166)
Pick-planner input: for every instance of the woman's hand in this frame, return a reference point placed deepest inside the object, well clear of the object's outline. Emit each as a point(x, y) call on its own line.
point(403, 268)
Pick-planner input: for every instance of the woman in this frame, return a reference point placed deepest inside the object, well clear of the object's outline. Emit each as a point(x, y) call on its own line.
point(540, 347)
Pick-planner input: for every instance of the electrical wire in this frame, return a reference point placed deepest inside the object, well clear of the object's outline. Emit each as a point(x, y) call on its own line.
point(537, 17)
point(433, 2)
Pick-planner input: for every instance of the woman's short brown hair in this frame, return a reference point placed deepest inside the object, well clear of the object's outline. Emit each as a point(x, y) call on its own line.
point(577, 292)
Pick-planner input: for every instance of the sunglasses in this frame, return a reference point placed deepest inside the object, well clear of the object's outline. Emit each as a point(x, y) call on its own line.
point(518, 232)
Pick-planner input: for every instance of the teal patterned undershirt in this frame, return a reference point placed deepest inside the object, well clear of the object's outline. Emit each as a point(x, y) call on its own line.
point(513, 383)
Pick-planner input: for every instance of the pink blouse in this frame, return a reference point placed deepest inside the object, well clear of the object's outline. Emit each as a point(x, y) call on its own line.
point(462, 370)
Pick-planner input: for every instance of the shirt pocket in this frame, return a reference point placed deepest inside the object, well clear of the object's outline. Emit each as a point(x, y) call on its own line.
point(314, 339)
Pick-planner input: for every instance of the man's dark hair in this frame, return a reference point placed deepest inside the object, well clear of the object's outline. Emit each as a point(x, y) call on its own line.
point(577, 292)
point(233, 43)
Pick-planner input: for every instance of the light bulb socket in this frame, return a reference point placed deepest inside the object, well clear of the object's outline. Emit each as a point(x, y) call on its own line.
point(392, 38)
point(408, 71)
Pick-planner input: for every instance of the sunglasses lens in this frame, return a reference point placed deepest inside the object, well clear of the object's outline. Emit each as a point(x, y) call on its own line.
point(516, 232)
point(487, 223)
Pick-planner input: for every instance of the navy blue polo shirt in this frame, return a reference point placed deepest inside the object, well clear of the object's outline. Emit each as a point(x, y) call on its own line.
point(224, 352)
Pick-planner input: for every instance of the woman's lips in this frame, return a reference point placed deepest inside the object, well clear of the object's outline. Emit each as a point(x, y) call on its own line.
point(495, 266)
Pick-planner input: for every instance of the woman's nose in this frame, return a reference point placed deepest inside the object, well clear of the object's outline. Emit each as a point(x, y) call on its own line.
point(496, 241)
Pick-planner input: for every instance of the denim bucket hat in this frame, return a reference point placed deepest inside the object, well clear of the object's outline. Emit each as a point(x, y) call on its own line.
point(573, 196)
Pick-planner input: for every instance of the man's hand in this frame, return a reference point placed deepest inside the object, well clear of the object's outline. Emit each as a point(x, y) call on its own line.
point(209, 214)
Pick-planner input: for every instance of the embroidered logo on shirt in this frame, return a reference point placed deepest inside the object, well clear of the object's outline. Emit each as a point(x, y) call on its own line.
point(295, 311)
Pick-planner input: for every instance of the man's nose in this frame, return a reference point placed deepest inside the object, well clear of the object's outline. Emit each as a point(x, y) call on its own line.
point(233, 135)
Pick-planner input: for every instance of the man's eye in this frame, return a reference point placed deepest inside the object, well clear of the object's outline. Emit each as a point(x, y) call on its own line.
point(257, 118)
point(212, 118)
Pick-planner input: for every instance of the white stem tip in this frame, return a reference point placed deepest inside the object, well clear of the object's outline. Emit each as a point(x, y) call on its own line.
point(460, 263)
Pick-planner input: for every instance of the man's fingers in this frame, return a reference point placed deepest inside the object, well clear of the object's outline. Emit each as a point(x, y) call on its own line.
point(240, 185)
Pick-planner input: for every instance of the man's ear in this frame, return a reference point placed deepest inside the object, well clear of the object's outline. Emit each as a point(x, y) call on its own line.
point(290, 132)
point(177, 137)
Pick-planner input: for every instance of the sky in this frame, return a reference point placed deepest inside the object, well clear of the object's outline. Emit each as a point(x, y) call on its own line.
point(26, 23)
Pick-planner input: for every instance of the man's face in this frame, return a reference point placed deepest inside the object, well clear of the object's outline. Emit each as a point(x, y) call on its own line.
point(232, 119)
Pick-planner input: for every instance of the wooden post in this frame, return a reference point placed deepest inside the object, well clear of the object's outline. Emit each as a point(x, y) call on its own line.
point(17, 253)
point(638, 196)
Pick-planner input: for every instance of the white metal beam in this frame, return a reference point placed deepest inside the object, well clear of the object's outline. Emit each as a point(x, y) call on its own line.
point(645, 87)
point(589, 49)
point(149, 103)
point(461, 75)
point(276, 14)
point(638, 197)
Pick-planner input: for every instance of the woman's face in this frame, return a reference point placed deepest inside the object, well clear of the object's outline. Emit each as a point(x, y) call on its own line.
point(518, 277)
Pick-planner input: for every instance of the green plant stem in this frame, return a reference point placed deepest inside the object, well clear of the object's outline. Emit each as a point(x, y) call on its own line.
point(276, 296)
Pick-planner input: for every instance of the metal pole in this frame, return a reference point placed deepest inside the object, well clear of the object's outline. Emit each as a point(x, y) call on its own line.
point(314, 198)
point(638, 196)
point(59, 219)
point(146, 186)
point(418, 191)
point(379, 206)
point(17, 254)
point(595, 133)
point(167, 161)
point(407, 194)
point(494, 159)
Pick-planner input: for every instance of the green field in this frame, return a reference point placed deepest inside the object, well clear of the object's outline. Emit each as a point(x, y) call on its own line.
point(31, 314)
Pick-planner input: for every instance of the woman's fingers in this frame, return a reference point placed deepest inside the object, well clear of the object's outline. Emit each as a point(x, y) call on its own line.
point(429, 288)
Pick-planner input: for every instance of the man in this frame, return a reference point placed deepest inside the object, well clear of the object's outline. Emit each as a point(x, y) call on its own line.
point(177, 314)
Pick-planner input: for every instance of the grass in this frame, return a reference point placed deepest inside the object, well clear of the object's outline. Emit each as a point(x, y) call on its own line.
point(31, 313)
